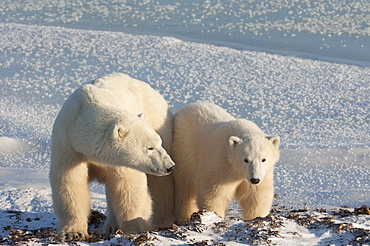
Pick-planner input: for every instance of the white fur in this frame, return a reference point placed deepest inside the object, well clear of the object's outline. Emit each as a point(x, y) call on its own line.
point(217, 158)
point(112, 131)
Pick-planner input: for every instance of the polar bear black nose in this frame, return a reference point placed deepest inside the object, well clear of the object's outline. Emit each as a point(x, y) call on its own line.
point(170, 169)
point(255, 181)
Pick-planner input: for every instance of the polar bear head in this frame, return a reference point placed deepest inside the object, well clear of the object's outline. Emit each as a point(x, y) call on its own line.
point(125, 140)
point(135, 144)
point(252, 152)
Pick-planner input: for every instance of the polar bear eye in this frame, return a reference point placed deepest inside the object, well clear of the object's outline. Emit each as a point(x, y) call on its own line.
point(263, 160)
point(246, 160)
point(150, 148)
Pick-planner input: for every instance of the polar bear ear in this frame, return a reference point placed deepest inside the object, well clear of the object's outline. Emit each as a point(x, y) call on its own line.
point(275, 140)
point(119, 132)
point(234, 141)
point(141, 116)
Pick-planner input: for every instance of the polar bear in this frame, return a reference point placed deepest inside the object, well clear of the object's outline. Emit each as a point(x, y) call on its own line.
point(219, 157)
point(112, 131)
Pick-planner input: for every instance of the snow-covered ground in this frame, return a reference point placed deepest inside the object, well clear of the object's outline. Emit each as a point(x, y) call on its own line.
point(299, 69)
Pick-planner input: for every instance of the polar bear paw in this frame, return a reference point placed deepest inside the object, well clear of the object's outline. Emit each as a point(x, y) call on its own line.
point(135, 226)
point(109, 227)
point(74, 236)
point(165, 224)
point(73, 233)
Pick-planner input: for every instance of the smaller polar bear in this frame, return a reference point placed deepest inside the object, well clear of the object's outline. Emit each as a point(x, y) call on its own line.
point(101, 134)
point(218, 157)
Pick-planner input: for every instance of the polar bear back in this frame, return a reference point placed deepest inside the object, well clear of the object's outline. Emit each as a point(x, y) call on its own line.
point(200, 123)
point(138, 97)
point(204, 113)
point(133, 95)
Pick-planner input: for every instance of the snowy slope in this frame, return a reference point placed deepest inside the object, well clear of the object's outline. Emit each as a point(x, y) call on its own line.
point(320, 107)
point(319, 29)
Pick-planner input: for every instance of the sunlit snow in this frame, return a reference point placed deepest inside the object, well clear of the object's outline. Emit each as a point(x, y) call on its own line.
point(298, 69)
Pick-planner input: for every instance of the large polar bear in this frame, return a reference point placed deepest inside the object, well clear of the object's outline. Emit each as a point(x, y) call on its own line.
point(101, 134)
point(218, 157)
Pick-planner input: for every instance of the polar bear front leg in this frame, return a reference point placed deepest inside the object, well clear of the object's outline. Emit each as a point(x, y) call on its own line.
point(216, 197)
point(129, 200)
point(110, 226)
point(185, 198)
point(71, 200)
point(255, 200)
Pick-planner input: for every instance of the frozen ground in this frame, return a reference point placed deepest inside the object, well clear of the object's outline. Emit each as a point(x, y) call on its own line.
point(299, 69)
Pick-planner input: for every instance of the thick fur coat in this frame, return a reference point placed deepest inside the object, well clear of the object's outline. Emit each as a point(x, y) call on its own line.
point(118, 131)
point(219, 157)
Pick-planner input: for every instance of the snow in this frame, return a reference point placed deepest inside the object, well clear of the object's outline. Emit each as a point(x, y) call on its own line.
point(299, 69)
point(333, 28)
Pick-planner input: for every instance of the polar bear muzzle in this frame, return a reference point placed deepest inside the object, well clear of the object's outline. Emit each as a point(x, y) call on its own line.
point(255, 181)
